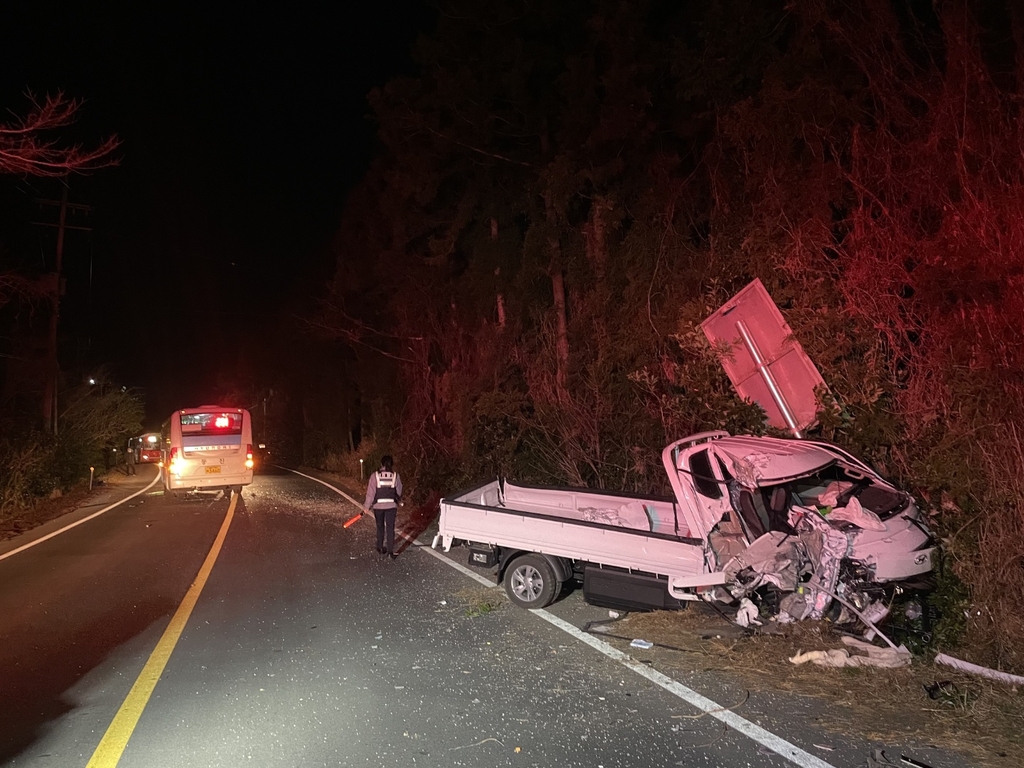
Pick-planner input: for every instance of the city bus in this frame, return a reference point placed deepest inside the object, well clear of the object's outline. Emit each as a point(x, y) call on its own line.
point(208, 448)
point(150, 448)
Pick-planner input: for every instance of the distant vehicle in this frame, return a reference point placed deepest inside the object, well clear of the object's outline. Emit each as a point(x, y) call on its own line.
point(262, 455)
point(208, 448)
point(150, 448)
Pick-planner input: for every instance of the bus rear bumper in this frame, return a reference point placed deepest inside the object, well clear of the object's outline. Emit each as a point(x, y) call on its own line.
point(213, 483)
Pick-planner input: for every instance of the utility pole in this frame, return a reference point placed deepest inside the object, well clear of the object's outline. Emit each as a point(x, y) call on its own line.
point(52, 363)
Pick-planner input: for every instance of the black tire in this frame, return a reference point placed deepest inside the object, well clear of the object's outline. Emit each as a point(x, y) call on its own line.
point(530, 582)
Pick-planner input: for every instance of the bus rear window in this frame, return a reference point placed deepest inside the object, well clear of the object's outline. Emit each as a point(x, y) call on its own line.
point(211, 423)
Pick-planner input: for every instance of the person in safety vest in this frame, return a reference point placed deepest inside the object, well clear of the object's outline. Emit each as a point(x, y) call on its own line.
point(383, 495)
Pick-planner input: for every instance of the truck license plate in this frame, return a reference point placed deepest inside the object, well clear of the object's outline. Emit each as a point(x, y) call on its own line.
point(213, 470)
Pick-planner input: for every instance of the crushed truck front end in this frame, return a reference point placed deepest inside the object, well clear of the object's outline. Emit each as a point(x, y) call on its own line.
point(806, 518)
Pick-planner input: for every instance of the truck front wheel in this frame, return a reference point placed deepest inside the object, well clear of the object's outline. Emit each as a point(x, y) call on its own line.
point(530, 582)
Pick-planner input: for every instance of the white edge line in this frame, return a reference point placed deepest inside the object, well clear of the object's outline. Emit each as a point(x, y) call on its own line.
point(458, 567)
point(398, 533)
point(322, 482)
point(68, 527)
point(756, 733)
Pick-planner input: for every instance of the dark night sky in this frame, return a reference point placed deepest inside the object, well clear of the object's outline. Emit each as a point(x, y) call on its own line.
point(242, 128)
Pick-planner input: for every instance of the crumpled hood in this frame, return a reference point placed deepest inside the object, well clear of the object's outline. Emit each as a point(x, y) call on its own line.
point(768, 461)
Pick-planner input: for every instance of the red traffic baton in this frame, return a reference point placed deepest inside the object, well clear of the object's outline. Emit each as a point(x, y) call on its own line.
point(354, 520)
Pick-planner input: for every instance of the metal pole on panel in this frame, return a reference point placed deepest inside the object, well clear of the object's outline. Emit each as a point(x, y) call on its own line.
point(766, 374)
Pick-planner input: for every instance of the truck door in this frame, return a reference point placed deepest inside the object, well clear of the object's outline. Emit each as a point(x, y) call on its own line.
point(725, 534)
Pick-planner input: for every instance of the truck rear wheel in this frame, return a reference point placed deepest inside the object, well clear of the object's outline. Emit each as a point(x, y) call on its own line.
point(530, 582)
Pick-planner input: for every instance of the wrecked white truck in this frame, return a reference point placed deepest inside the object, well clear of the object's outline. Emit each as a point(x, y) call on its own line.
point(803, 522)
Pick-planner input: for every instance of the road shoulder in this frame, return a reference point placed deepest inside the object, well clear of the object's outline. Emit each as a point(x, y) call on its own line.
point(53, 514)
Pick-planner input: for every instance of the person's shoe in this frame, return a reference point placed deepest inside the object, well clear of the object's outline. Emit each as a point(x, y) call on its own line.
point(392, 555)
point(380, 551)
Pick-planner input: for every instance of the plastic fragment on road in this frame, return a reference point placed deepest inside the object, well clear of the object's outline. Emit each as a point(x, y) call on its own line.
point(638, 643)
point(879, 759)
point(913, 763)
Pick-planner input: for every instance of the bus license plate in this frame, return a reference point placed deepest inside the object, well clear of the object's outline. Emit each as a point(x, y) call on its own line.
point(213, 470)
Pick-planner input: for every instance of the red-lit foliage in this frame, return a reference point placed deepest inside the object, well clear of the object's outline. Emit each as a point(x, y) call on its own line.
point(886, 182)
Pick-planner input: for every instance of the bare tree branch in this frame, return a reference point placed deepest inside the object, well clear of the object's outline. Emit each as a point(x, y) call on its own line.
point(495, 155)
point(26, 149)
point(13, 285)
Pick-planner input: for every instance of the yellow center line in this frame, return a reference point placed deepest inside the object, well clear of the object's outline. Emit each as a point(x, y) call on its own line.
point(112, 745)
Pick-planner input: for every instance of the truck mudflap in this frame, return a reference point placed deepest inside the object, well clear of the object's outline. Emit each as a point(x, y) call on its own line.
point(613, 588)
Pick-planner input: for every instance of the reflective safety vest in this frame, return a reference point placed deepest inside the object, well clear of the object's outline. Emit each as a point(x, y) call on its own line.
point(386, 495)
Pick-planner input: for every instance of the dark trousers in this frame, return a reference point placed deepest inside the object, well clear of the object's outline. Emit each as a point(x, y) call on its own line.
point(386, 528)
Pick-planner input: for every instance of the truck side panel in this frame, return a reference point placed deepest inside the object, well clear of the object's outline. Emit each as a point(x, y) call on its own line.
point(572, 539)
point(647, 514)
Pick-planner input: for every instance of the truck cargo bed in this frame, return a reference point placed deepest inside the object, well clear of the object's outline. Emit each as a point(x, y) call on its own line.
point(618, 530)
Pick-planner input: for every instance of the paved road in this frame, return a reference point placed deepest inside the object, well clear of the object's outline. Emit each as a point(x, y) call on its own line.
point(306, 648)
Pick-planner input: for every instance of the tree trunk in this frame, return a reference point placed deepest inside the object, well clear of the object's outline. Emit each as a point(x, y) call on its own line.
point(595, 238)
point(499, 296)
point(595, 234)
point(561, 334)
point(558, 296)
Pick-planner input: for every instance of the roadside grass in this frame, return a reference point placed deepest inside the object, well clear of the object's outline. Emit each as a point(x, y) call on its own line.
point(481, 609)
point(974, 716)
point(479, 601)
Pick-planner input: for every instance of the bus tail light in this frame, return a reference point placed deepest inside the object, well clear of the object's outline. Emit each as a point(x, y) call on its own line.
point(248, 456)
point(175, 461)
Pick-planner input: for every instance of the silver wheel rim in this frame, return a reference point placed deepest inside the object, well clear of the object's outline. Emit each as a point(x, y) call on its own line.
point(527, 583)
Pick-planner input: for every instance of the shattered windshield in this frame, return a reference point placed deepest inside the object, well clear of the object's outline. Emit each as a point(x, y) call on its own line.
point(835, 485)
point(767, 507)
